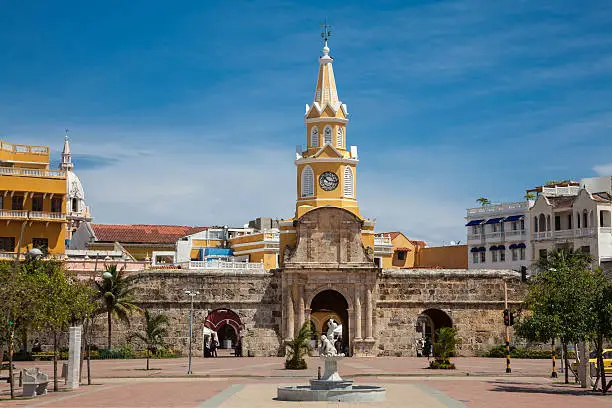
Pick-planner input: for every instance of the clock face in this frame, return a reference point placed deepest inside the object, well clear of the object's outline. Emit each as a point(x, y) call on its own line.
point(328, 181)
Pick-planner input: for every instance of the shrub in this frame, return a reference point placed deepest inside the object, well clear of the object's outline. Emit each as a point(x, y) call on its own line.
point(519, 352)
point(441, 365)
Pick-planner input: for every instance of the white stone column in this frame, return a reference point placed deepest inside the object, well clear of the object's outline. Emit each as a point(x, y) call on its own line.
point(357, 313)
point(74, 357)
point(300, 304)
point(368, 306)
point(290, 316)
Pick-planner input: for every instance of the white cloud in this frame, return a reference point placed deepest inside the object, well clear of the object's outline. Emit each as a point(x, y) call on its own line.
point(603, 169)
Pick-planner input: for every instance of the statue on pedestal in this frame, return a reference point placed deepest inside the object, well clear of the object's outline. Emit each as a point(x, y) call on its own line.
point(331, 326)
point(326, 349)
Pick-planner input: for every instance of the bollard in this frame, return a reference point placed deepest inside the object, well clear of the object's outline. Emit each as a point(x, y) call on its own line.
point(319, 373)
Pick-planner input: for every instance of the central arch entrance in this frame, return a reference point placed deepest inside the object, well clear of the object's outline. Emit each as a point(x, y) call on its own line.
point(226, 326)
point(432, 320)
point(326, 305)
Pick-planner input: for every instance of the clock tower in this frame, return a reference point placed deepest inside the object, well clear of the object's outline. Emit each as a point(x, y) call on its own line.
point(326, 166)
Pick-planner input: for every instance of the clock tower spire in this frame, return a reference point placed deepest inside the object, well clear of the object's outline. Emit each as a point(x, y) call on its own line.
point(326, 166)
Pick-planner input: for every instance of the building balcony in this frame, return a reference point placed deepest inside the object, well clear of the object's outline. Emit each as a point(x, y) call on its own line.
point(383, 241)
point(540, 236)
point(16, 171)
point(475, 238)
point(494, 236)
point(498, 208)
point(515, 234)
point(31, 215)
point(241, 266)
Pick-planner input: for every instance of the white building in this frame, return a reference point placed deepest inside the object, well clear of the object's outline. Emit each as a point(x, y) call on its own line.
point(498, 236)
point(575, 216)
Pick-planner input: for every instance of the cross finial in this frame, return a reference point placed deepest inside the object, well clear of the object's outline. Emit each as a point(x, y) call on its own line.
point(326, 33)
point(67, 130)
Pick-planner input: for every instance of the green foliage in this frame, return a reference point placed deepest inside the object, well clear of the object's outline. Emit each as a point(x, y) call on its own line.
point(446, 344)
point(483, 201)
point(518, 352)
point(297, 348)
point(441, 365)
point(530, 196)
point(115, 297)
point(559, 299)
point(152, 336)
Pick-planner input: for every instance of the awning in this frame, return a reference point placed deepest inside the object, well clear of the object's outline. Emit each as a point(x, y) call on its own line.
point(514, 218)
point(512, 246)
point(493, 248)
point(218, 251)
point(475, 249)
point(482, 249)
point(501, 247)
point(474, 222)
point(521, 245)
point(494, 220)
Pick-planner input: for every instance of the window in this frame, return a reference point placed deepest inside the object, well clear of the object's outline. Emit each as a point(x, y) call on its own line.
point(348, 182)
point(557, 223)
point(522, 225)
point(514, 254)
point(483, 257)
point(542, 254)
point(340, 137)
point(7, 244)
point(401, 255)
point(307, 182)
point(577, 220)
point(314, 137)
point(475, 257)
point(327, 135)
point(502, 255)
point(493, 256)
point(514, 226)
point(522, 252)
point(535, 224)
point(586, 249)
point(56, 205)
point(40, 243)
point(585, 224)
point(475, 229)
point(601, 218)
point(75, 205)
point(17, 203)
point(569, 221)
point(37, 204)
point(495, 227)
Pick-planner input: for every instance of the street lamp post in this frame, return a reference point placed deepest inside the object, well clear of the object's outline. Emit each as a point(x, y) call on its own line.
point(192, 294)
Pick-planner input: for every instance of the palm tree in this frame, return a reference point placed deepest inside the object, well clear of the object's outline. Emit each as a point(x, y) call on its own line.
point(297, 348)
point(483, 201)
point(153, 333)
point(530, 196)
point(116, 296)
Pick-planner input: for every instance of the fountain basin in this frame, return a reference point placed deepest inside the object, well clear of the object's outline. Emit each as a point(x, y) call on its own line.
point(356, 393)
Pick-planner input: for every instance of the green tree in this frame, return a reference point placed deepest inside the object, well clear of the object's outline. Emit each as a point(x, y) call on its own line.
point(602, 320)
point(559, 300)
point(152, 335)
point(483, 201)
point(297, 348)
point(444, 347)
point(530, 196)
point(116, 297)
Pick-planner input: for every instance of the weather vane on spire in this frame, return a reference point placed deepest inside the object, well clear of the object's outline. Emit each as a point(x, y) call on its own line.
point(326, 33)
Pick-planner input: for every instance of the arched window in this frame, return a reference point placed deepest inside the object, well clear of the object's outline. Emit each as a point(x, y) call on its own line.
point(578, 220)
point(535, 223)
point(349, 185)
point(327, 135)
point(542, 226)
point(340, 137)
point(75, 205)
point(548, 223)
point(307, 182)
point(585, 223)
point(314, 137)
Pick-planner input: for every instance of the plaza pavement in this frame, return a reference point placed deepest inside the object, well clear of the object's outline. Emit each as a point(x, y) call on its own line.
point(251, 382)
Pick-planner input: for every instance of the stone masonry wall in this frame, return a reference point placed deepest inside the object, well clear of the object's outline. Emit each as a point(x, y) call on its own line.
point(253, 295)
point(474, 300)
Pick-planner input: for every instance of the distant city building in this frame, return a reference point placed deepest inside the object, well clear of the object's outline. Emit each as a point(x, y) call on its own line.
point(498, 236)
point(32, 201)
point(76, 209)
point(575, 216)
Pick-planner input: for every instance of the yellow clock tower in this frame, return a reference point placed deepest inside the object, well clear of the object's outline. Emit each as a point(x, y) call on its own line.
point(326, 165)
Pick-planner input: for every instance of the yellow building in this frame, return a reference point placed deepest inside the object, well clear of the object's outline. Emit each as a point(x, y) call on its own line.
point(326, 165)
point(32, 200)
point(258, 247)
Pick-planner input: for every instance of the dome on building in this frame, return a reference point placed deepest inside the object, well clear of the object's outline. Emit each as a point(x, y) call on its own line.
point(76, 195)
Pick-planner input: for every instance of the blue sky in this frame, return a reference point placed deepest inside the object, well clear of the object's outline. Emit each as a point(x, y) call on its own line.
point(189, 112)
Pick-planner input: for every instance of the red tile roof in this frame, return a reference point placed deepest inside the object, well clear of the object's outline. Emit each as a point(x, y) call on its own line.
point(142, 233)
point(393, 234)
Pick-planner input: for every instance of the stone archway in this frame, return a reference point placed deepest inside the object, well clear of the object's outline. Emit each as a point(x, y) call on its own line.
point(434, 320)
point(329, 304)
point(226, 323)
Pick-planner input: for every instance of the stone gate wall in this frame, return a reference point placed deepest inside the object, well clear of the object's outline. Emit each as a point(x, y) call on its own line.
point(253, 295)
point(473, 299)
